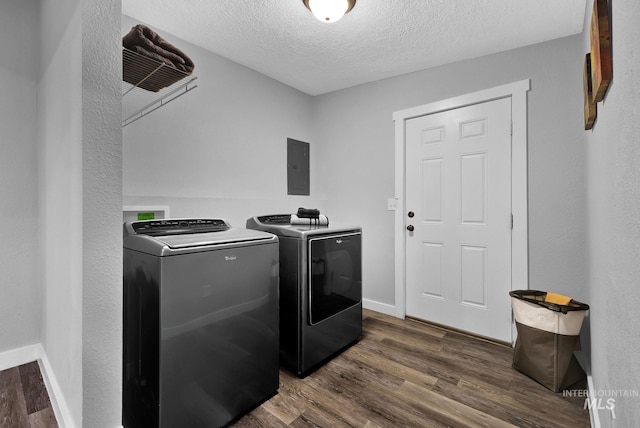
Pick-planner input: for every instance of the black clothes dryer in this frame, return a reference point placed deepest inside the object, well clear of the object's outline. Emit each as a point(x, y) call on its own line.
point(320, 289)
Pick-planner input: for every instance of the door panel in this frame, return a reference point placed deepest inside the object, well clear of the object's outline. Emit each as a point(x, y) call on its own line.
point(473, 188)
point(432, 189)
point(335, 281)
point(432, 269)
point(458, 183)
point(473, 269)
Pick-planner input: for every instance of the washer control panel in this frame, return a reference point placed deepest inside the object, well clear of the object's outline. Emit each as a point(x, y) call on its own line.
point(178, 226)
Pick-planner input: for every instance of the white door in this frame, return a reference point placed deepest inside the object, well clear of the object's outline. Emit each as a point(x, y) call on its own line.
point(458, 200)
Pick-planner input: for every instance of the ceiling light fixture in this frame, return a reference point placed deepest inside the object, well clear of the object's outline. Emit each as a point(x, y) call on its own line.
point(329, 10)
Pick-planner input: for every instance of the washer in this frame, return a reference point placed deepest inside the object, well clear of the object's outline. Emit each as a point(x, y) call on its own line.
point(320, 289)
point(201, 333)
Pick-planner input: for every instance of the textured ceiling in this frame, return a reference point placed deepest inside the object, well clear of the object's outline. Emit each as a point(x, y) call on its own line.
point(376, 40)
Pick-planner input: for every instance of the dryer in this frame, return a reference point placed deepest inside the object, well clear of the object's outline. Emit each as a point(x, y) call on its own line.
point(201, 333)
point(320, 289)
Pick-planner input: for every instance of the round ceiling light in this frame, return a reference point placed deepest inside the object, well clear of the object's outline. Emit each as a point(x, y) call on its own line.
point(329, 10)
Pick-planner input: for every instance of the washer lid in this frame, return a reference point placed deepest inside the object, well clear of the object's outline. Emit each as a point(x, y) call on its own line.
point(168, 237)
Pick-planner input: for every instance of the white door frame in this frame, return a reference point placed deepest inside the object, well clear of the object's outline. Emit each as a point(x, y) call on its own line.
point(519, 238)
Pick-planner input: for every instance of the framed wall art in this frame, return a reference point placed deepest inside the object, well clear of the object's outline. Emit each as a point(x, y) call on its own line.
point(601, 67)
point(590, 106)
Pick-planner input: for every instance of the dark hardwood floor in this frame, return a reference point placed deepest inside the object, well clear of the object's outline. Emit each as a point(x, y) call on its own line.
point(24, 402)
point(402, 373)
point(405, 373)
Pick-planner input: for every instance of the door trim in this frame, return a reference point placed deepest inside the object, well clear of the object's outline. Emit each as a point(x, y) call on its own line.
point(517, 91)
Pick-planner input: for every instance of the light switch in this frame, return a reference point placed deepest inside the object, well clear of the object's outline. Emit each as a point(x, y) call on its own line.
point(392, 204)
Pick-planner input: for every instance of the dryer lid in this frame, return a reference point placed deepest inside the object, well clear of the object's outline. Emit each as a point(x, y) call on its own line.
point(280, 224)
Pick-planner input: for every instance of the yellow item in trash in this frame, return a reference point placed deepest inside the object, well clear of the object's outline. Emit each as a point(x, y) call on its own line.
point(558, 299)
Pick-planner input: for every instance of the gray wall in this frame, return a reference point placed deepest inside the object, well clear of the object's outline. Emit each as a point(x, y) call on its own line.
point(612, 183)
point(577, 182)
point(20, 283)
point(61, 197)
point(60, 177)
point(221, 149)
point(356, 131)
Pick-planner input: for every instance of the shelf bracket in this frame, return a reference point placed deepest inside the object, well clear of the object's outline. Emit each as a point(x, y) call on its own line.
point(162, 101)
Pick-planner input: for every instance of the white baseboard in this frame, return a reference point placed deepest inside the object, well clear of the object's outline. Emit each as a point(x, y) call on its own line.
point(384, 308)
point(19, 356)
point(27, 354)
point(593, 411)
point(585, 363)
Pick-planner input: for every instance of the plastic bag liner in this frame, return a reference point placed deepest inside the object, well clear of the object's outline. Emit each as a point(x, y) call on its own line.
point(548, 334)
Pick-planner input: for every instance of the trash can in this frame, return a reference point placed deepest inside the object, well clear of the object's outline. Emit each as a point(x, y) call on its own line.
point(548, 333)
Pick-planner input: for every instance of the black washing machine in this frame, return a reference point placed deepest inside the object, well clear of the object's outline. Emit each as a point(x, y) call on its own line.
point(200, 322)
point(320, 289)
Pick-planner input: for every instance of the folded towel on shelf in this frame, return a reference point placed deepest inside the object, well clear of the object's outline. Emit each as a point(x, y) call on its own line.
point(144, 41)
point(321, 220)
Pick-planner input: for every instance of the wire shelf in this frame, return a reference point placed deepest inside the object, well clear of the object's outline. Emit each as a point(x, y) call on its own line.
point(147, 79)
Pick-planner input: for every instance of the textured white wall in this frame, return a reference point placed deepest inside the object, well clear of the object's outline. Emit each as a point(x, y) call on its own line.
point(20, 281)
point(357, 159)
point(101, 213)
point(613, 221)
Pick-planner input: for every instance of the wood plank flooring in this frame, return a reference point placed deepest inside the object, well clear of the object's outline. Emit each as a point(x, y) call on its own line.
point(405, 373)
point(24, 402)
point(402, 373)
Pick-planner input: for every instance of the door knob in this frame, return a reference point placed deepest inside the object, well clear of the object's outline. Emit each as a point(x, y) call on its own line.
point(410, 214)
point(410, 228)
